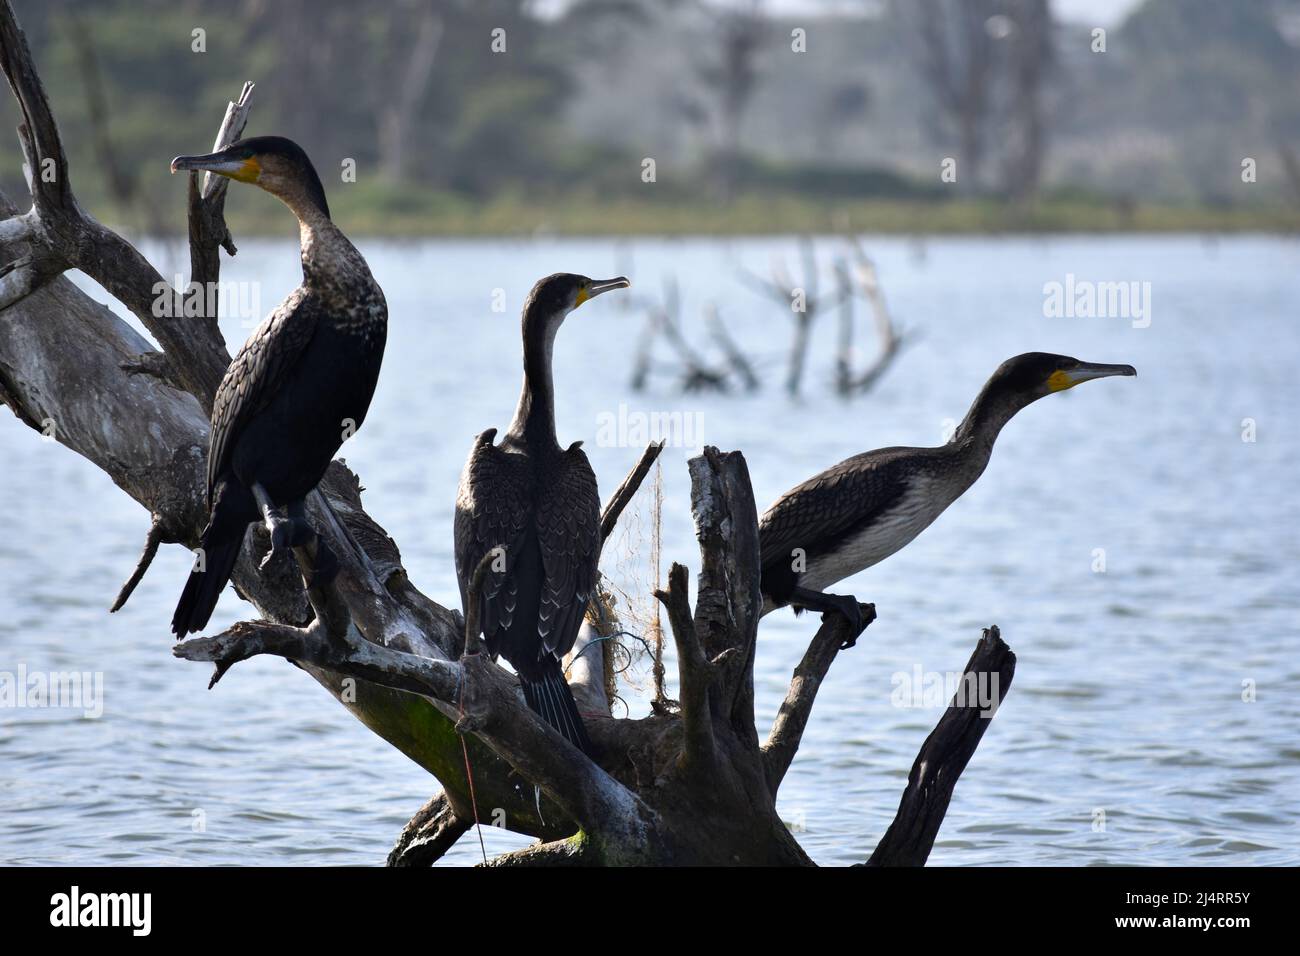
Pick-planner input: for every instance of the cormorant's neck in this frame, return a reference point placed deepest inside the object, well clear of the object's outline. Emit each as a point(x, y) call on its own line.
point(991, 410)
point(303, 195)
point(327, 255)
point(324, 248)
point(534, 420)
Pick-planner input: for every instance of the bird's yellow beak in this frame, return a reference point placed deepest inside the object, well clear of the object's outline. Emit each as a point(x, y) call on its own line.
point(245, 170)
point(1062, 379)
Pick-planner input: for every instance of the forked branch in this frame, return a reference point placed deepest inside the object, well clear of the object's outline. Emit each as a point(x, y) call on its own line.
point(695, 672)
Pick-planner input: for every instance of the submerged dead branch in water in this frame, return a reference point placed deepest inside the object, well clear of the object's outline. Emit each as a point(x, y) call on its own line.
point(803, 300)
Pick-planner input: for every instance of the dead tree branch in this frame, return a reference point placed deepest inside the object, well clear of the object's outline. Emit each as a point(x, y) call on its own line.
point(694, 670)
point(722, 338)
point(945, 753)
point(890, 338)
point(792, 718)
point(697, 374)
point(804, 300)
point(208, 235)
point(430, 834)
point(728, 597)
point(627, 490)
point(151, 542)
point(207, 204)
point(481, 696)
point(61, 236)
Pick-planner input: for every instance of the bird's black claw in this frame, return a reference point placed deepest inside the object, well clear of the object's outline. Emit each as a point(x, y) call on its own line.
point(858, 621)
point(281, 536)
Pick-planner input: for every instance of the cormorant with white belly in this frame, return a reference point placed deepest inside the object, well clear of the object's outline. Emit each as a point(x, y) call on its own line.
point(864, 509)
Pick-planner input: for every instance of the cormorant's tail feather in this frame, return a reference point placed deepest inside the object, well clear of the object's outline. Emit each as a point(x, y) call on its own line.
point(203, 588)
point(549, 697)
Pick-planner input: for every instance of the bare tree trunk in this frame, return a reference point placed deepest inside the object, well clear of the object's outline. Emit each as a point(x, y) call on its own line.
point(955, 60)
point(401, 108)
point(122, 186)
point(733, 76)
point(1031, 56)
point(690, 786)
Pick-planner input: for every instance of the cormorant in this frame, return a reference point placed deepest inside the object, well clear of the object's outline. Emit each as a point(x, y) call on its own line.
point(302, 382)
point(538, 503)
point(862, 510)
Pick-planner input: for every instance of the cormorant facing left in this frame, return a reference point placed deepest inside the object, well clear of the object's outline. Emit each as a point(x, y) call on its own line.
point(538, 503)
point(861, 511)
point(302, 382)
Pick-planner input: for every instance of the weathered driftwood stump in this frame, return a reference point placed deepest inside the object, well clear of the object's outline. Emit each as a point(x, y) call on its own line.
point(694, 785)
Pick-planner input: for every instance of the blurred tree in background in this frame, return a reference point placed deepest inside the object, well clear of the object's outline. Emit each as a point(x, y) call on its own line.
point(507, 115)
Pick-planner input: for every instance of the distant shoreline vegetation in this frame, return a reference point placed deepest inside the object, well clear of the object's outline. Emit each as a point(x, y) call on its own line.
point(407, 212)
point(1181, 119)
point(780, 201)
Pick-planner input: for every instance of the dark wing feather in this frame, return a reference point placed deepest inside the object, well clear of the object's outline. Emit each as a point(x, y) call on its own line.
point(832, 504)
point(568, 530)
point(255, 374)
point(492, 509)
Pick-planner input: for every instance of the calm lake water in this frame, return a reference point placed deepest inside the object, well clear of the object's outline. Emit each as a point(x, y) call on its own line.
point(1124, 740)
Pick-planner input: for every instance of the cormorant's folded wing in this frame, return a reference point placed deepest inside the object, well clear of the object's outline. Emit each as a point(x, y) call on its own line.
point(492, 510)
point(256, 373)
point(568, 530)
point(830, 505)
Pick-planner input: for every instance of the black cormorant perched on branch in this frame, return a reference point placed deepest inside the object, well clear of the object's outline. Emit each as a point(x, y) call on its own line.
point(300, 385)
point(538, 503)
point(862, 510)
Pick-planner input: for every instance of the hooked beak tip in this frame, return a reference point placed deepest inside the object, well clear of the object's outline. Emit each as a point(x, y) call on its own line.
point(607, 285)
point(1089, 371)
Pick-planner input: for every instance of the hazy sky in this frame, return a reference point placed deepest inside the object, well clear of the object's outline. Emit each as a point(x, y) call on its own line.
point(1103, 11)
point(1100, 12)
